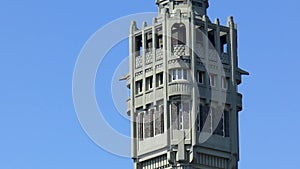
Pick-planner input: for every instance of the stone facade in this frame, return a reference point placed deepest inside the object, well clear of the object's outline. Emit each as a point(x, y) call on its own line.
point(184, 99)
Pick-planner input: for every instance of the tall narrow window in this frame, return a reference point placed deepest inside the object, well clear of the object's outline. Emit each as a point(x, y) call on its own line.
point(178, 40)
point(174, 116)
point(141, 126)
point(202, 117)
point(139, 86)
point(160, 41)
point(148, 123)
point(139, 46)
point(179, 73)
point(162, 118)
point(185, 74)
point(159, 79)
point(149, 83)
point(225, 82)
point(186, 115)
point(210, 120)
point(198, 121)
point(224, 43)
point(174, 76)
point(178, 34)
point(226, 123)
point(149, 42)
point(180, 115)
point(218, 124)
point(213, 80)
point(205, 119)
point(158, 38)
point(211, 37)
point(159, 120)
point(201, 77)
point(151, 122)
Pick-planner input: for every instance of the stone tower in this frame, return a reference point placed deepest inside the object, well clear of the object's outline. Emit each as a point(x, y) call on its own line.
point(183, 82)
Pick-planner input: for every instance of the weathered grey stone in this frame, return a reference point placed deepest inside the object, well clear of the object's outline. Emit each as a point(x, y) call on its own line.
point(171, 116)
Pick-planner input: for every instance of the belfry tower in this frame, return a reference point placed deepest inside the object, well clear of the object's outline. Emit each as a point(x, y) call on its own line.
point(184, 101)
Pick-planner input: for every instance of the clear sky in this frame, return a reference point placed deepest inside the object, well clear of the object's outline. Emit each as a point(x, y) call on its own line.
point(39, 45)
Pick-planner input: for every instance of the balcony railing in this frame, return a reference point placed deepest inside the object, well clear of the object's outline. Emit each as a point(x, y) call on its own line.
point(179, 89)
point(225, 58)
point(138, 62)
point(159, 54)
point(149, 57)
point(179, 50)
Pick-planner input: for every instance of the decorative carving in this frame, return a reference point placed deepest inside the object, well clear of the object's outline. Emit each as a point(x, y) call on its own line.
point(159, 54)
point(148, 70)
point(159, 66)
point(179, 50)
point(138, 74)
point(138, 62)
point(149, 56)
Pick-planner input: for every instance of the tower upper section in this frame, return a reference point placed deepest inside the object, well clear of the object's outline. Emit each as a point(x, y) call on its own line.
point(199, 7)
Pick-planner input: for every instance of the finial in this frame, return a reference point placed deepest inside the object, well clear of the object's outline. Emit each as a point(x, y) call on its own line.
point(230, 21)
point(144, 24)
point(154, 21)
point(217, 21)
point(133, 26)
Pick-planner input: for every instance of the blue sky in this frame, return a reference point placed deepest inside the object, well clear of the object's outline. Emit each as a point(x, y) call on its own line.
point(39, 45)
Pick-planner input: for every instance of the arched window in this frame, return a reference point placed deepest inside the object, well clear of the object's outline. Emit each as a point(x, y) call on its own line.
point(178, 34)
point(178, 39)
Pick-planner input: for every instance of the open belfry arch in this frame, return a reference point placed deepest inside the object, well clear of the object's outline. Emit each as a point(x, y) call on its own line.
point(174, 81)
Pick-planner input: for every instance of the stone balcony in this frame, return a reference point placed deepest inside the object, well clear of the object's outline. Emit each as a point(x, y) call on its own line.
point(179, 88)
point(179, 50)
